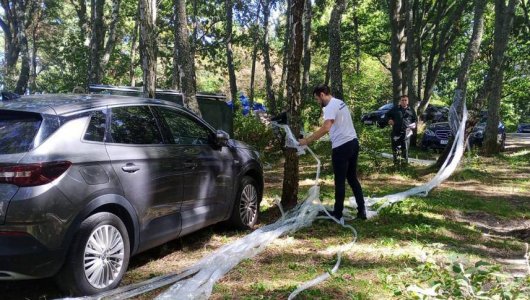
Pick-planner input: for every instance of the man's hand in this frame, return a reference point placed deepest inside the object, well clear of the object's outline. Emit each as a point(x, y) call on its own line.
point(391, 122)
point(303, 142)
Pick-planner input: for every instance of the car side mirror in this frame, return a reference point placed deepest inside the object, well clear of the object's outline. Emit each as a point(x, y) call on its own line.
point(221, 138)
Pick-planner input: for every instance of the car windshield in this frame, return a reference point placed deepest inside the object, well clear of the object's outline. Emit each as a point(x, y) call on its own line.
point(17, 131)
point(386, 106)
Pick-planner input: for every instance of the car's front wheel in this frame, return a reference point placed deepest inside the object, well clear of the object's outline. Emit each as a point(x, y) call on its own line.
point(246, 207)
point(98, 257)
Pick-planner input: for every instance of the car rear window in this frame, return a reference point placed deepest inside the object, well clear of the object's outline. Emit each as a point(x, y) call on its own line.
point(17, 131)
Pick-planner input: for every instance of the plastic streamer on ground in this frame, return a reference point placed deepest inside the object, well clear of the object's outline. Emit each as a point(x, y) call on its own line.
point(457, 125)
point(197, 281)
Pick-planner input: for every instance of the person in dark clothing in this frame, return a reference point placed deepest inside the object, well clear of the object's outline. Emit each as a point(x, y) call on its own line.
point(403, 119)
point(345, 149)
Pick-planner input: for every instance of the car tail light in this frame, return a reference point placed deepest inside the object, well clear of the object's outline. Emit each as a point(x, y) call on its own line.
point(33, 174)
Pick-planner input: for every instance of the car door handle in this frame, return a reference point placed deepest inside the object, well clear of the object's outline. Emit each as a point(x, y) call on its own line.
point(130, 168)
point(190, 164)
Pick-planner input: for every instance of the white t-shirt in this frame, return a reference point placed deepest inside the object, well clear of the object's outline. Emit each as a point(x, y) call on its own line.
point(342, 130)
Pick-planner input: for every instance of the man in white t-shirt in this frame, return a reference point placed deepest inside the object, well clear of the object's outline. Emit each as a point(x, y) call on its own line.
point(345, 148)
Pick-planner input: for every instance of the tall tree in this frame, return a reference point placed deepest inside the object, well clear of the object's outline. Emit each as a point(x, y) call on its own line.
point(101, 49)
point(184, 62)
point(307, 49)
point(134, 46)
point(285, 52)
point(97, 33)
point(470, 56)
point(148, 45)
point(271, 99)
point(398, 43)
point(255, 34)
point(335, 45)
point(504, 15)
point(229, 6)
point(291, 175)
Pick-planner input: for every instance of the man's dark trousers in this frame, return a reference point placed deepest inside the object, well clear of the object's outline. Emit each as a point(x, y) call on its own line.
point(344, 160)
point(404, 142)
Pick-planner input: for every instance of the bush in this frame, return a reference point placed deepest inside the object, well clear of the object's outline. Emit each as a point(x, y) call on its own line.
point(252, 131)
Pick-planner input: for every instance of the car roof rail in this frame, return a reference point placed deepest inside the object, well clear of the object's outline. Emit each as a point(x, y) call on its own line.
point(9, 96)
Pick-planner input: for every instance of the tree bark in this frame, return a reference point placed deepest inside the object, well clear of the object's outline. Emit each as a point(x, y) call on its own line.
point(229, 54)
point(397, 46)
point(286, 47)
point(335, 46)
point(307, 50)
point(10, 26)
point(23, 79)
point(134, 47)
point(148, 45)
point(524, 5)
point(445, 40)
point(185, 64)
point(470, 56)
point(271, 99)
point(112, 37)
point(357, 41)
point(96, 42)
point(291, 174)
point(254, 57)
point(83, 22)
point(504, 16)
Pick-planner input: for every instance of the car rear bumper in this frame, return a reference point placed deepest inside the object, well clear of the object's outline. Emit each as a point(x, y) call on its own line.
point(23, 257)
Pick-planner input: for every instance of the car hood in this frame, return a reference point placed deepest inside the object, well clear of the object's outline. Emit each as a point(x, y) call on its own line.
point(439, 126)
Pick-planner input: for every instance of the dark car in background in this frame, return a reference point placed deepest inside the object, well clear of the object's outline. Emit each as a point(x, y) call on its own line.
point(523, 128)
point(435, 114)
point(436, 136)
point(86, 181)
point(476, 138)
point(377, 116)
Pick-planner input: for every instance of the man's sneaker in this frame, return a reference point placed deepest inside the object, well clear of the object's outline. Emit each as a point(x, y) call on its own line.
point(361, 216)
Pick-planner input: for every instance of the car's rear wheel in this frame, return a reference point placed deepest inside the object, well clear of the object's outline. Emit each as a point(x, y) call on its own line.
point(246, 207)
point(98, 257)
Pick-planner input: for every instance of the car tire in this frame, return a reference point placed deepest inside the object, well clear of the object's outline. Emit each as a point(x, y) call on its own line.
point(245, 212)
point(91, 268)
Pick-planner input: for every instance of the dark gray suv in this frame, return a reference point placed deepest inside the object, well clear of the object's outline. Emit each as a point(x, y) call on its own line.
point(88, 181)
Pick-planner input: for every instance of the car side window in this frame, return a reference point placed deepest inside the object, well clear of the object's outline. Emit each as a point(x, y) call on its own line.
point(134, 125)
point(96, 128)
point(184, 130)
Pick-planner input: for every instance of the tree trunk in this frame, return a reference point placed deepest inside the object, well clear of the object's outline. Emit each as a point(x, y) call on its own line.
point(335, 45)
point(254, 57)
point(23, 79)
point(96, 42)
point(271, 99)
point(524, 5)
point(11, 26)
point(148, 45)
point(112, 37)
point(83, 22)
point(185, 64)
point(291, 174)
point(306, 94)
point(504, 16)
point(286, 45)
point(446, 39)
point(134, 47)
point(357, 41)
point(229, 55)
point(472, 52)
point(397, 45)
point(411, 9)
point(33, 72)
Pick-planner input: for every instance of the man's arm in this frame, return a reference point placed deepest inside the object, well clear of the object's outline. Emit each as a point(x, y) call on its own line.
point(317, 134)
